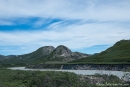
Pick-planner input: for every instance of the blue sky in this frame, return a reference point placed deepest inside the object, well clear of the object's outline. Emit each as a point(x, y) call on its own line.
point(88, 26)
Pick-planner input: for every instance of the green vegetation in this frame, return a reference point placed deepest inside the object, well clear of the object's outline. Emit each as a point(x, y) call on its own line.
point(32, 58)
point(10, 78)
point(103, 79)
point(128, 69)
point(17, 78)
point(117, 54)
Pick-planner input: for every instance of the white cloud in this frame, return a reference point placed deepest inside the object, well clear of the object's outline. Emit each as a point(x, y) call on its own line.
point(68, 9)
point(73, 36)
point(108, 22)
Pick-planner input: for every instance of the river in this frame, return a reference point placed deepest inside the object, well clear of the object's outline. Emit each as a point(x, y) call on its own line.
point(119, 74)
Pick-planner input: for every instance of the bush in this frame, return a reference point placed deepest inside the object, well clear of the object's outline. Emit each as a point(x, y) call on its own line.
point(10, 78)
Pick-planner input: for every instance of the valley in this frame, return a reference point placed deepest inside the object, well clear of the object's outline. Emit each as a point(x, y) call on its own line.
point(113, 59)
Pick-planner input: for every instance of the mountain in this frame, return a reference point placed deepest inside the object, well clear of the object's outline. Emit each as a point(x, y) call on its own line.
point(62, 53)
point(118, 53)
point(28, 58)
point(2, 57)
point(43, 55)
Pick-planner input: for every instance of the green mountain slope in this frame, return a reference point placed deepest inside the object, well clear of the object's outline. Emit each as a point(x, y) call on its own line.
point(118, 53)
point(33, 57)
point(46, 54)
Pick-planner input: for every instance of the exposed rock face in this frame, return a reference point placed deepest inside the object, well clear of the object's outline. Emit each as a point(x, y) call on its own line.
point(62, 51)
point(65, 54)
point(77, 55)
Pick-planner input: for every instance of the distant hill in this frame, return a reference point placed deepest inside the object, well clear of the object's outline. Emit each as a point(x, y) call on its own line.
point(62, 53)
point(27, 58)
point(46, 54)
point(118, 53)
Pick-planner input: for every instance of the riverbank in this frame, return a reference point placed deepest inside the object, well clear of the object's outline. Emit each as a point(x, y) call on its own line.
point(119, 74)
point(114, 67)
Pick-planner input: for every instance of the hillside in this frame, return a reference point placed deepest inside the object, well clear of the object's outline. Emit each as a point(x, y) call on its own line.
point(46, 54)
point(27, 58)
point(118, 53)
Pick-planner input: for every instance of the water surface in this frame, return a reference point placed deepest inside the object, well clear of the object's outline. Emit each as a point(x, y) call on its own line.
point(119, 74)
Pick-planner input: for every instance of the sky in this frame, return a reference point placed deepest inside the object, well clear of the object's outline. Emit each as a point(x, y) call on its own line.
point(88, 26)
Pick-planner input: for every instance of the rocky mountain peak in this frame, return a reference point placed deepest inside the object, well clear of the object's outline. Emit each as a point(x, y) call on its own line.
point(47, 49)
point(62, 51)
point(46, 53)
